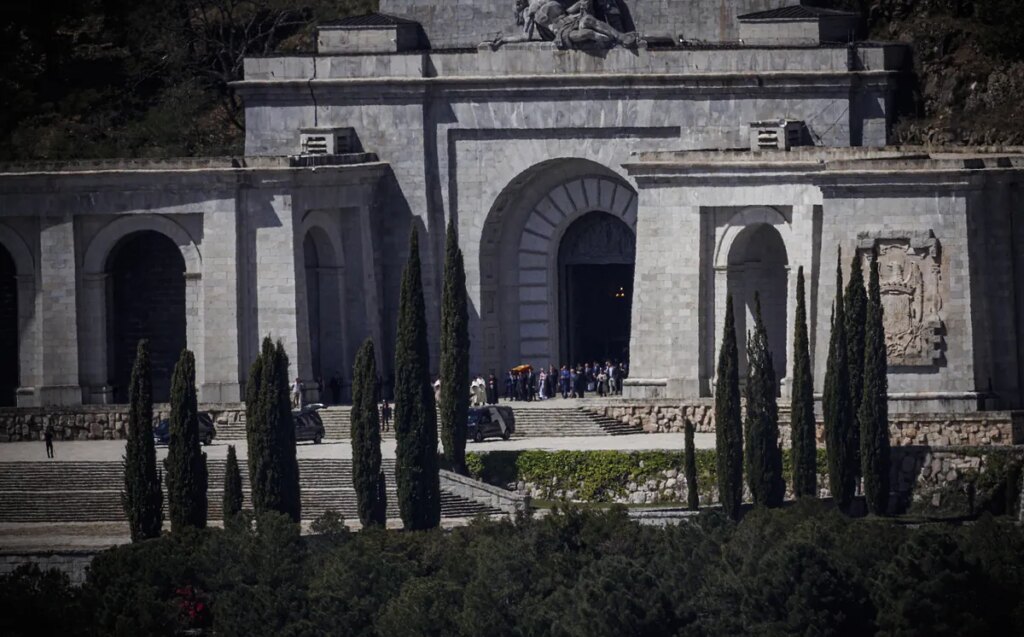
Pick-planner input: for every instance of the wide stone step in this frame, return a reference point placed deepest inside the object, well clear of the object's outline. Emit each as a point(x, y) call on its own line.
point(91, 491)
point(531, 422)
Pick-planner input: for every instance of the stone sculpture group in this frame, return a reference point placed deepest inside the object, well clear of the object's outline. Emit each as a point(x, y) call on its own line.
point(570, 25)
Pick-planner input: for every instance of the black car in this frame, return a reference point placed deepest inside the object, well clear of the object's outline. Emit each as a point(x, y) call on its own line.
point(309, 427)
point(492, 420)
point(207, 432)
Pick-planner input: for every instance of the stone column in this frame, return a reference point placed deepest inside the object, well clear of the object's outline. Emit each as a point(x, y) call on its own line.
point(665, 341)
point(216, 330)
point(58, 313)
point(95, 388)
point(28, 342)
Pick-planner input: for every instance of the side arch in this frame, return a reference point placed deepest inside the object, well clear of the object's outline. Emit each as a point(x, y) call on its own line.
point(27, 339)
point(749, 217)
point(94, 311)
point(95, 260)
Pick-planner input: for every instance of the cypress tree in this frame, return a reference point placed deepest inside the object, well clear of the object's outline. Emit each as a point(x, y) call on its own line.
point(856, 302)
point(270, 429)
point(256, 433)
point(690, 469)
point(232, 486)
point(416, 470)
point(874, 408)
point(282, 426)
point(728, 422)
point(365, 430)
point(802, 425)
point(142, 499)
point(842, 474)
point(454, 406)
point(761, 426)
point(185, 463)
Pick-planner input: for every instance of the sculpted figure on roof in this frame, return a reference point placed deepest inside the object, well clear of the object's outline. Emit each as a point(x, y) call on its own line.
point(569, 24)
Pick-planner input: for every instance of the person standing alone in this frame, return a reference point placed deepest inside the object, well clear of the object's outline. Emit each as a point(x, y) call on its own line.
point(297, 394)
point(48, 438)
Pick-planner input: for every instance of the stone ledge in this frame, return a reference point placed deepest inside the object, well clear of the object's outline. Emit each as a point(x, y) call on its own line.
point(93, 422)
point(507, 501)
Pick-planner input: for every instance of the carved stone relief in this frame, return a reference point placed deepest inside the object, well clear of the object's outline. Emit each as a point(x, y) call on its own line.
point(910, 277)
point(598, 238)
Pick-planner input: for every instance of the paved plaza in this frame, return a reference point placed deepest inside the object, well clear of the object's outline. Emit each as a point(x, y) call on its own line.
point(108, 450)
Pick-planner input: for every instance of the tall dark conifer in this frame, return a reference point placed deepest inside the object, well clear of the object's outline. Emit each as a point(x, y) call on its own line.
point(142, 499)
point(762, 453)
point(802, 424)
point(416, 470)
point(728, 420)
point(874, 407)
point(365, 430)
point(856, 303)
point(279, 410)
point(842, 473)
point(232, 486)
point(256, 432)
point(270, 429)
point(690, 469)
point(454, 406)
point(186, 462)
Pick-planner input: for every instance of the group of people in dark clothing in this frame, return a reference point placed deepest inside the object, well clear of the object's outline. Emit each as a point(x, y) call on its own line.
point(569, 382)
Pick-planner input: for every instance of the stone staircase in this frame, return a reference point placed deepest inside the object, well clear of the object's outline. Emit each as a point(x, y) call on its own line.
point(533, 420)
point(539, 420)
point(60, 492)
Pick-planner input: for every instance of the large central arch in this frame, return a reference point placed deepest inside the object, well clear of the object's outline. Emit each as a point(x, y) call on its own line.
point(520, 286)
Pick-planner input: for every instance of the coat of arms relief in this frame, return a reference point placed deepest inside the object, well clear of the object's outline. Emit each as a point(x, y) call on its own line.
point(910, 278)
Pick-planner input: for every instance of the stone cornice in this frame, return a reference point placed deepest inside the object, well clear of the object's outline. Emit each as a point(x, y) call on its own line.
point(499, 86)
point(211, 179)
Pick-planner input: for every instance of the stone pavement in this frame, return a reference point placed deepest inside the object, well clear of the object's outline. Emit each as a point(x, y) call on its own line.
point(108, 450)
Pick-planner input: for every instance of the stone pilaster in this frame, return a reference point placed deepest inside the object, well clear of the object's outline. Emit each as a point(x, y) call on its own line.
point(57, 313)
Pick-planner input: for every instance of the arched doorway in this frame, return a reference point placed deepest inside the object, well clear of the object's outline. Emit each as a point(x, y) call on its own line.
point(596, 260)
point(324, 320)
point(8, 329)
point(758, 264)
point(519, 291)
point(146, 299)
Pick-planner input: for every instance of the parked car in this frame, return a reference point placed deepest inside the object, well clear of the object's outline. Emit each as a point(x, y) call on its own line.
point(309, 427)
point(492, 420)
point(207, 432)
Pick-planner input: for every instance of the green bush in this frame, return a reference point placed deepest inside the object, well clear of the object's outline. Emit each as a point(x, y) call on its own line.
point(598, 476)
point(802, 569)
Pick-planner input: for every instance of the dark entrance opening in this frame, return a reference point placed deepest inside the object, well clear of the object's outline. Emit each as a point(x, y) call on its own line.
point(596, 262)
point(146, 299)
point(8, 330)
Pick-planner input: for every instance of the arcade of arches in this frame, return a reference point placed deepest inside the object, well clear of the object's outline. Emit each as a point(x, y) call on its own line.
point(146, 299)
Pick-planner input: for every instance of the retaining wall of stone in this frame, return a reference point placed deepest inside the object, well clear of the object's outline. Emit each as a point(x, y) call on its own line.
point(937, 430)
point(73, 563)
point(92, 422)
point(919, 476)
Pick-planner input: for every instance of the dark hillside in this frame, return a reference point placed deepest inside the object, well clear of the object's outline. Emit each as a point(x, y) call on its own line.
point(148, 78)
point(138, 78)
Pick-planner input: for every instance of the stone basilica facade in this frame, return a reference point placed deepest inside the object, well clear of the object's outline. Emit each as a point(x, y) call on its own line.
point(614, 169)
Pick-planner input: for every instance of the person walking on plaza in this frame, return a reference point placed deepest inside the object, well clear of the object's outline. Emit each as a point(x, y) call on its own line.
point(335, 386)
point(48, 438)
point(492, 390)
point(297, 394)
point(385, 415)
point(565, 378)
